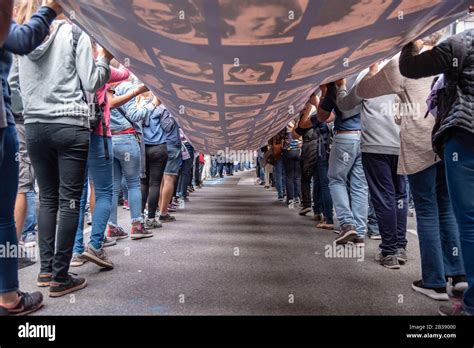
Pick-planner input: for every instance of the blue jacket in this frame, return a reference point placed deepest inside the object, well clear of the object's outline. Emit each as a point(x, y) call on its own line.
point(135, 114)
point(22, 39)
point(170, 128)
point(153, 134)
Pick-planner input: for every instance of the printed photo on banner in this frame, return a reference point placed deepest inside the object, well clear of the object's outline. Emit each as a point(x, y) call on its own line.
point(338, 17)
point(194, 95)
point(204, 115)
point(251, 74)
point(233, 99)
point(259, 22)
point(124, 48)
point(241, 114)
point(314, 65)
point(185, 68)
point(180, 20)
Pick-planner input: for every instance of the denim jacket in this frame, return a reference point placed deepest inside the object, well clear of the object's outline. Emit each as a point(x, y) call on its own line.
point(134, 113)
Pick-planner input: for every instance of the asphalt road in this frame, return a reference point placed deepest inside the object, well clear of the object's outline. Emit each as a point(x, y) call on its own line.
point(236, 250)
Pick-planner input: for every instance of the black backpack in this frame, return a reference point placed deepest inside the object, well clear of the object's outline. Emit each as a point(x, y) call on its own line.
point(446, 96)
point(96, 112)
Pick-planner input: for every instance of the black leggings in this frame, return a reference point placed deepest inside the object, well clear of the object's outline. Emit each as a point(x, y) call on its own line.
point(156, 157)
point(59, 156)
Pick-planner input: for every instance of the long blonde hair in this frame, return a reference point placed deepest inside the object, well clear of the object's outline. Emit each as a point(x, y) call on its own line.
point(25, 9)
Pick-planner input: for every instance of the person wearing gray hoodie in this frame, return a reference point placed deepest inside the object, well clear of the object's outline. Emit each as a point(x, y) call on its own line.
point(53, 79)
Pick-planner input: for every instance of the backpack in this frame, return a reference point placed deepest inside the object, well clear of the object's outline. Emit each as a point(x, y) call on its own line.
point(443, 97)
point(96, 112)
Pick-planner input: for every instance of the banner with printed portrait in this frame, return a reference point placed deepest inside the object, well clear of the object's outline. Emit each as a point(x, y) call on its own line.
point(234, 72)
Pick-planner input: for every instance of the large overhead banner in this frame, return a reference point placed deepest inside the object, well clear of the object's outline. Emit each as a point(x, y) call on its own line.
point(234, 72)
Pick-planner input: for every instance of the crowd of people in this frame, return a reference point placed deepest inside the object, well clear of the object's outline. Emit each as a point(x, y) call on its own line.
point(354, 156)
point(366, 146)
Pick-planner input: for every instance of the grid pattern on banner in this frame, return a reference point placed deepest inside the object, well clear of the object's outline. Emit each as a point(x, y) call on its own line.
point(233, 71)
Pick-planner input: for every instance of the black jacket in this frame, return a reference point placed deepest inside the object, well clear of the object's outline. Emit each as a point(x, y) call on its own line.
point(440, 60)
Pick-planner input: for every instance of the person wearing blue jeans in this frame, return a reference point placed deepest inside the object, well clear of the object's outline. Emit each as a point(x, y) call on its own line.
point(126, 159)
point(125, 125)
point(454, 132)
point(459, 160)
point(8, 189)
point(279, 171)
point(29, 228)
point(438, 235)
point(321, 180)
point(345, 169)
point(291, 157)
point(345, 166)
point(101, 172)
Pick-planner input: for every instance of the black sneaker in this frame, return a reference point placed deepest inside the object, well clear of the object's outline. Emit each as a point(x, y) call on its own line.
point(390, 261)
point(27, 303)
point(347, 234)
point(438, 294)
point(99, 257)
point(57, 289)
point(43, 280)
point(303, 211)
point(402, 256)
point(166, 218)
